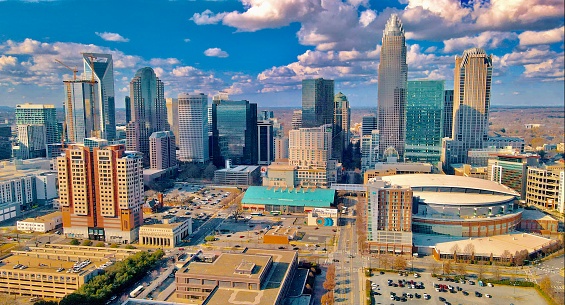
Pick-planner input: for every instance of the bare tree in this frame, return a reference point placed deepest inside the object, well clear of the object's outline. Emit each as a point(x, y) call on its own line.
point(327, 298)
point(330, 284)
point(435, 268)
point(505, 256)
point(455, 250)
point(481, 268)
point(236, 209)
point(461, 269)
point(385, 261)
point(469, 250)
point(496, 272)
point(545, 285)
point(361, 223)
point(447, 267)
point(400, 263)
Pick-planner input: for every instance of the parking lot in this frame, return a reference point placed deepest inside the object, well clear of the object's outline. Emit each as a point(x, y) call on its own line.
point(499, 294)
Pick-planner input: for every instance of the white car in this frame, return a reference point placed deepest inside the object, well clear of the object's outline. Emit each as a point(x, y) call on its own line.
point(488, 296)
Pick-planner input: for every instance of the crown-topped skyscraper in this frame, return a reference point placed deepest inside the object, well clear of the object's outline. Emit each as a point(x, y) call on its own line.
point(392, 78)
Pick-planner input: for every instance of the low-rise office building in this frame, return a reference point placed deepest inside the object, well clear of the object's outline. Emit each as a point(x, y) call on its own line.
point(382, 169)
point(238, 175)
point(42, 224)
point(167, 235)
point(255, 276)
point(286, 200)
point(545, 188)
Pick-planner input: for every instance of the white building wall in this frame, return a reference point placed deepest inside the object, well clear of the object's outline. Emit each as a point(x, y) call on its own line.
point(193, 127)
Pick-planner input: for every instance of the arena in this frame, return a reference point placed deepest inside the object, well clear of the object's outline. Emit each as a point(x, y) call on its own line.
point(460, 206)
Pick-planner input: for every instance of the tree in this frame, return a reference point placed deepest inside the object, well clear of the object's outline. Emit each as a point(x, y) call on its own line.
point(447, 267)
point(481, 268)
point(400, 263)
point(130, 247)
point(361, 223)
point(210, 238)
point(545, 285)
point(330, 283)
point(74, 242)
point(505, 256)
point(87, 242)
point(236, 209)
point(114, 245)
point(461, 269)
point(435, 268)
point(209, 171)
point(327, 298)
point(385, 261)
point(496, 272)
point(469, 250)
point(455, 250)
point(100, 244)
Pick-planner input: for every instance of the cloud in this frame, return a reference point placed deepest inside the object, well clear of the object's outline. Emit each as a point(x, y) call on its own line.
point(367, 17)
point(544, 37)
point(487, 40)
point(186, 40)
point(6, 61)
point(207, 17)
point(216, 52)
point(164, 61)
point(112, 37)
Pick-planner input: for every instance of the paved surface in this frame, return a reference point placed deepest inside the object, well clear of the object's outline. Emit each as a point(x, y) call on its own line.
point(501, 295)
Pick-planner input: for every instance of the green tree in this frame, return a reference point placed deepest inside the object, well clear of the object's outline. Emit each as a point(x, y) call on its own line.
point(74, 242)
point(210, 238)
point(209, 171)
point(130, 247)
point(114, 245)
point(100, 244)
point(87, 242)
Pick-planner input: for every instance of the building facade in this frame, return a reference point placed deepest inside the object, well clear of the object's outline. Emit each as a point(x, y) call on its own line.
point(265, 142)
point(342, 122)
point(545, 188)
point(511, 170)
point(368, 124)
point(296, 119)
point(172, 105)
point(82, 112)
point(317, 102)
point(41, 224)
point(370, 150)
point(281, 148)
point(389, 212)
point(148, 111)
point(392, 78)
point(166, 235)
point(36, 128)
point(424, 120)
point(448, 113)
point(193, 127)
point(162, 150)
point(100, 68)
point(234, 126)
point(101, 193)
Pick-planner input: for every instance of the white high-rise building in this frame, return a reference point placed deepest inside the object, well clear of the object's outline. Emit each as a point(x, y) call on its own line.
point(281, 148)
point(193, 127)
point(392, 79)
point(162, 150)
point(172, 105)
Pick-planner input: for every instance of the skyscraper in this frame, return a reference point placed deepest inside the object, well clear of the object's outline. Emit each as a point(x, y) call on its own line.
point(392, 78)
point(448, 114)
point(148, 111)
point(368, 124)
point(424, 120)
point(127, 101)
point(172, 105)
point(162, 150)
point(296, 119)
point(101, 65)
point(342, 120)
point(317, 102)
point(37, 127)
point(471, 97)
point(101, 193)
point(192, 127)
point(235, 131)
point(82, 110)
point(265, 142)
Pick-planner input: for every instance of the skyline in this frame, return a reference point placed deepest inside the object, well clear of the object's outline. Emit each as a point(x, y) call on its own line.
point(262, 52)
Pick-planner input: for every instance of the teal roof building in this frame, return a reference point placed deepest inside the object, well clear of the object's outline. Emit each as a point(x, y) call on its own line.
point(287, 200)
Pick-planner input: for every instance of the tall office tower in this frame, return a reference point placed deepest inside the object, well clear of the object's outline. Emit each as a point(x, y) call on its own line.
point(317, 102)
point(393, 73)
point(424, 120)
point(296, 119)
point(389, 218)
point(193, 127)
point(471, 99)
point(370, 150)
point(103, 67)
point(101, 193)
point(265, 115)
point(37, 127)
point(82, 111)
point(310, 150)
point(448, 114)
point(162, 150)
point(127, 101)
point(511, 170)
point(342, 120)
point(234, 126)
point(5, 142)
point(148, 111)
point(172, 105)
point(265, 142)
point(281, 148)
point(368, 124)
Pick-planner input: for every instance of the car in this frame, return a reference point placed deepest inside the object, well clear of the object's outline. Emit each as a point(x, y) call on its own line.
point(229, 235)
point(478, 294)
point(416, 275)
point(392, 297)
point(442, 299)
point(490, 285)
point(281, 248)
point(241, 236)
point(60, 269)
point(426, 296)
point(295, 248)
point(465, 292)
point(488, 296)
point(417, 295)
point(471, 283)
point(382, 272)
point(237, 246)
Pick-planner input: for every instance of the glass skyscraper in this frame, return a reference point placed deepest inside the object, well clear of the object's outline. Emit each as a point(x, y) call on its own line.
point(424, 120)
point(103, 67)
point(82, 112)
point(192, 127)
point(342, 119)
point(392, 77)
point(148, 112)
point(36, 127)
point(317, 102)
point(234, 125)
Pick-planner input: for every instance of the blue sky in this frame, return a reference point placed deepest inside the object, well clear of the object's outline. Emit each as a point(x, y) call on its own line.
point(260, 50)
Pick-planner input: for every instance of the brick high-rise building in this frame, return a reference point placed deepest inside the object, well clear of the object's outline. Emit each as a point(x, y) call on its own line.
point(101, 193)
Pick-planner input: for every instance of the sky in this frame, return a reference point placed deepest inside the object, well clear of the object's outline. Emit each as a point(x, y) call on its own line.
point(260, 50)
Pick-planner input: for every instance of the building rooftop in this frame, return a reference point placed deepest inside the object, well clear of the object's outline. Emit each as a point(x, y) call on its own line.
point(162, 225)
point(44, 218)
point(320, 198)
point(535, 215)
point(461, 199)
point(437, 180)
point(227, 264)
point(239, 168)
point(496, 245)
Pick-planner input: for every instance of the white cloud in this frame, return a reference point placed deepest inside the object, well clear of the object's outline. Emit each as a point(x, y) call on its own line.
point(164, 61)
point(6, 61)
point(543, 37)
point(207, 17)
point(216, 52)
point(367, 17)
point(186, 40)
point(112, 37)
point(485, 40)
